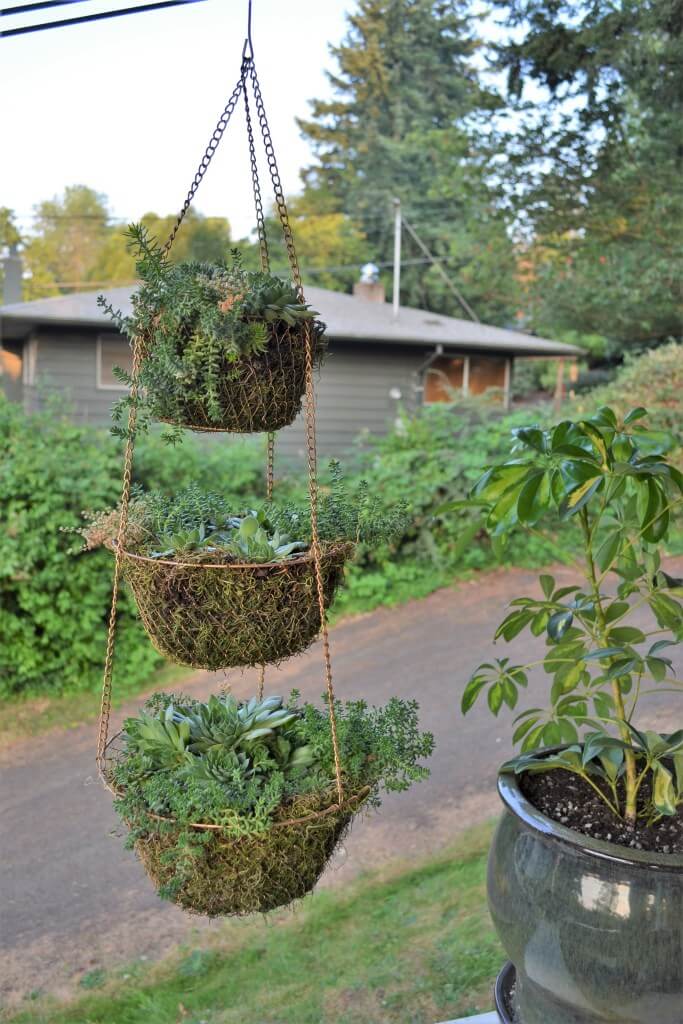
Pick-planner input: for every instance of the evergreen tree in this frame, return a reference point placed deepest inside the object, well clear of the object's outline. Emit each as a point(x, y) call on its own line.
point(594, 168)
point(399, 125)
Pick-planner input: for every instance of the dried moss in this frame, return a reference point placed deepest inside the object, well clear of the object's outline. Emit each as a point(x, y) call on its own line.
point(214, 874)
point(226, 616)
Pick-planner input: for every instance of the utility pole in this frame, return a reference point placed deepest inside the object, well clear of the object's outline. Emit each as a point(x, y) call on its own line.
point(396, 297)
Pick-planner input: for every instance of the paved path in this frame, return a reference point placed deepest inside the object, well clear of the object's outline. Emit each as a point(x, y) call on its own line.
point(75, 900)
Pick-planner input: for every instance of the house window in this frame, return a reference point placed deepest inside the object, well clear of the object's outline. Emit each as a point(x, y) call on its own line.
point(444, 380)
point(112, 352)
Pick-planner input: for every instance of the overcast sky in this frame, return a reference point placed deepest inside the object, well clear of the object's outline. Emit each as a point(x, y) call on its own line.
point(127, 105)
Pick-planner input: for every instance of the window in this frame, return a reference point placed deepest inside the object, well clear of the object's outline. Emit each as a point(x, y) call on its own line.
point(444, 380)
point(111, 352)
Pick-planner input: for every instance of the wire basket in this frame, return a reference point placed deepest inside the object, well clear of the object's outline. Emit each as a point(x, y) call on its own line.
point(227, 615)
point(230, 876)
point(259, 393)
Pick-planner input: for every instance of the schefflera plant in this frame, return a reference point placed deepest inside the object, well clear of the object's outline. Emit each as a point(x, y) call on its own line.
point(612, 478)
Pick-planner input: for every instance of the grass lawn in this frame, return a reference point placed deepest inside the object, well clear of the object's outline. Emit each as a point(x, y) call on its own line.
point(407, 946)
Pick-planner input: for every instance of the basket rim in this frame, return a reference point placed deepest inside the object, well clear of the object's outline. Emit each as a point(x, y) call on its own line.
point(339, 547)
point(353, 799)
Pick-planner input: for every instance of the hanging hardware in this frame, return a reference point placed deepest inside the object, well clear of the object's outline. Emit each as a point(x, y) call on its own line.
point(247, 42)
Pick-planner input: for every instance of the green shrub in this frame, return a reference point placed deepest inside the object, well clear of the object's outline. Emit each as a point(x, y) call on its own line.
point(53, 607)
point(653, 380)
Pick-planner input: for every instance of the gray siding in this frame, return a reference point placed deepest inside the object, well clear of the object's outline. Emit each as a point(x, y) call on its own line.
point(66, 365)
point(352, 389)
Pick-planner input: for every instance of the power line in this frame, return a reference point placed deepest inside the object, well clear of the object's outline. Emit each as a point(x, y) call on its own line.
point(84, 18)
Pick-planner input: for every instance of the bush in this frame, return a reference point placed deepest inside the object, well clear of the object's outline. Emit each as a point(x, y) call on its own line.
point(433, 457)
point(54, 606)
point(653, 380)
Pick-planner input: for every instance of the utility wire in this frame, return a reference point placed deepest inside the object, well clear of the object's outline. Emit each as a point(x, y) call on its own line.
point(438, 266)
point(64, 22)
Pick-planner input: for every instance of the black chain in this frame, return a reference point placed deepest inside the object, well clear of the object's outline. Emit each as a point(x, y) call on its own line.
point(277, 183)
point(206, 159)
point(255, 182)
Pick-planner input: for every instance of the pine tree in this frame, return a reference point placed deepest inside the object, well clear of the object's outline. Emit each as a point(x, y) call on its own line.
point(405, 86)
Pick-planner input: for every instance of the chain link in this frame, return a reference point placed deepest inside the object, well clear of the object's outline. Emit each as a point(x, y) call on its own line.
point(206, 159)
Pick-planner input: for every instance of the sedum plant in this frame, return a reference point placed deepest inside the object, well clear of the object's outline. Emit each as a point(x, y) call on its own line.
point(610, 478)
point(196, 320)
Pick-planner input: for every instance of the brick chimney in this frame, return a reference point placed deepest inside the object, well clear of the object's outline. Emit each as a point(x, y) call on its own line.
point(369, 288)
point(11, 273)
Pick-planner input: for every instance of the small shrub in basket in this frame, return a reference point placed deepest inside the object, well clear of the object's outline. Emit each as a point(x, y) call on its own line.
point(223, 348)
point(232, 806)
point(218, 587)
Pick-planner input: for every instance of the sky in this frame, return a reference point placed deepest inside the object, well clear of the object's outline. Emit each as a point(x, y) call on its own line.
point(127, 105)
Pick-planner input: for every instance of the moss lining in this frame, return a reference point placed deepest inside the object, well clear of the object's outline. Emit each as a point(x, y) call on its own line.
point(215, 874)
point(227, 616)
point(256, 393)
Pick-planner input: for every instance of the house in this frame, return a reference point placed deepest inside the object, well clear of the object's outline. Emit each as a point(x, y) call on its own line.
point(376, 363)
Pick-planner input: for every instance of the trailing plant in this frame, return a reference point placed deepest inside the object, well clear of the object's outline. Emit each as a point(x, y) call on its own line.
point(610, 476)
point(238, 764)
point(195, 322)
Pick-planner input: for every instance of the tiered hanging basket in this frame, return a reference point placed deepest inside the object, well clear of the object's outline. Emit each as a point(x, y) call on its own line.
point(216, 616)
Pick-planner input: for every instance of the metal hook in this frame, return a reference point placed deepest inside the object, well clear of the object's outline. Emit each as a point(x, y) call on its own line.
point(247, 42)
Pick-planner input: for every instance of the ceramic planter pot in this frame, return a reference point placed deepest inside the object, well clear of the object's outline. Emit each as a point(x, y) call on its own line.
point(594, 930)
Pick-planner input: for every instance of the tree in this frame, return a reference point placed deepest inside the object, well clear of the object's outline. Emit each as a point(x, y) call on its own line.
point(400, 125)
point(77, 245)
point(594, 169)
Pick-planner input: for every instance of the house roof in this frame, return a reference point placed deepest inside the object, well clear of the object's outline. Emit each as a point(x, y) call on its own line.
point(348, 318)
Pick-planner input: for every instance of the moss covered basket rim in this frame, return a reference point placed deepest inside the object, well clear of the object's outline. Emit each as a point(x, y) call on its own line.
point(517, 804)
point(344, 548)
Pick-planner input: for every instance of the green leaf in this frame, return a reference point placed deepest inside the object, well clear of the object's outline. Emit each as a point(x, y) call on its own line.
point(533, 438)
point(608, 550)
point(615, 611)
point(521, 730)
point(664, 794)
point(626, 635)
point(495, 697)
point(559, 623)
point(513, 624)
point(547, 585)
point(634, 414)
point(471, 692)
point(580, 497)
point(534, 498)
point(604, 652)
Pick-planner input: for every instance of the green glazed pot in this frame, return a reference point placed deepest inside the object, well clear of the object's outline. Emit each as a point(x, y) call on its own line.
point(595, 930)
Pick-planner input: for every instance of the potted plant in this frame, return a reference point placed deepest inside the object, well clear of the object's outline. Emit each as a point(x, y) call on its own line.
point(218, 587)
point(232, 806)
point(585, 877)
point(223, 348)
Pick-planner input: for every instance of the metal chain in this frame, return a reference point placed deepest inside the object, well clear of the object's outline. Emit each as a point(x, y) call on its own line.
point(105, 706)
point(255, 182)
point(206, 159)
point(309, 411)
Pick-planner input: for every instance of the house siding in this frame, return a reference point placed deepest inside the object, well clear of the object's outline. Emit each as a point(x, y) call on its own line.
point(353, 388)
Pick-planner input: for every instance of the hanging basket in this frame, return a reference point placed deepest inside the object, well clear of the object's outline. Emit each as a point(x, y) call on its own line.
point(260, 393)
point(251, 874)
point(217, 616)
